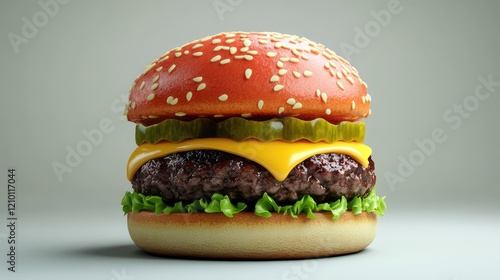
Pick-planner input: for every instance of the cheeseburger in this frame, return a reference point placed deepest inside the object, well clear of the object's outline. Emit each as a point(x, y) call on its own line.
point(250, 147)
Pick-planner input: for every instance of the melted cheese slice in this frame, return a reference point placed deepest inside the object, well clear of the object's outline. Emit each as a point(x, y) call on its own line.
point(276, 156)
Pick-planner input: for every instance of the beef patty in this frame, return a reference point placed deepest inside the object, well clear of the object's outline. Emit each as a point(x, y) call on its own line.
point(193, 175)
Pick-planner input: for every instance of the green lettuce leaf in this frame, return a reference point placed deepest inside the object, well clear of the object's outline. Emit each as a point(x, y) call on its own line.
point(264, 207)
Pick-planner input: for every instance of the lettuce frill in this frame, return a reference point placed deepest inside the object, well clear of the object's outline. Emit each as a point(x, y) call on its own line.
point(264, 207)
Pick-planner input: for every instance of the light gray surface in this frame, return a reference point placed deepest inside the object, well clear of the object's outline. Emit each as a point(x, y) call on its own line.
point(71, 71)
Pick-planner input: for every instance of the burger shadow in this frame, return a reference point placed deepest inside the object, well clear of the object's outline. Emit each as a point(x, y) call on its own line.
point(130, 251)
point(125, 251)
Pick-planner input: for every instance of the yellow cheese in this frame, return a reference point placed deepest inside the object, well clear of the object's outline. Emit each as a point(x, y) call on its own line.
point(277, 156)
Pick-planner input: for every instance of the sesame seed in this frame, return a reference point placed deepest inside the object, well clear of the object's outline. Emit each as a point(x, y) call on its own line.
point(198, 54)
point(365, 85)
point(332, 72)
point(218, 116)
point(281, 110)
point(198, 79)
point(291, 101)
point(239, 56)
point(271, 54)
point(262, 41)
point(305, 57)
point(159, 69)
point(244, 49)
point(149, 67)
point(341, 86)
point(229, 41)
point(297, 105)
point(156, 78)
point(308, 73)
point(278, 45)
point(225, 61)
point(353, 105)
point(328, 111)
point(248, 57)
point(171, 68)
point(279, 64)
point(154, 86)
point(215, 58)
point(274, 78)
point(332, 64)
point(324, 96)
point(171, 100)
point(186, 52)
point(260, 104)
point(180, 114)
point(369, 112)
point(326, 55)
point(282, 72)
point(216, 41)
point(218, 48)
point(318, 92)
point(294, 59)
point(150, 97)
point(248, 73)
point(230, 35)
point(142, 85)
point(297, 74)
point(314, 50)
point(278, 87)
point(246, 115)
point(233, 50)
point(223, 97)
point(205, 38)
point(339, 74)
point(368, 97)
point(152, 117)
point(330, 51)
point(163, 59)
point(197, 46)
point(253, 52)
point(295, 52)
point(287, 47)
point(284, 59)
point(189, 95)
point(350, 79)
point(201, 87)
point(363, 99)
point(344, 71)
point(247, 43)
point(133, 105)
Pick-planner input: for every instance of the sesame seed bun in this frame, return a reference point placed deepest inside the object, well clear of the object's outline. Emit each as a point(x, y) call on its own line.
point(257, 75)
point(247, 236)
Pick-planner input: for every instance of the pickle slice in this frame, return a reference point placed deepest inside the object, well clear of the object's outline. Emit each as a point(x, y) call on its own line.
point(288, 129)
point(174, 131)
point(291, 129)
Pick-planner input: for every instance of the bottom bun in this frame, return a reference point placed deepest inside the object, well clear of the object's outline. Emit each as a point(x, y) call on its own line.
point(248, 236)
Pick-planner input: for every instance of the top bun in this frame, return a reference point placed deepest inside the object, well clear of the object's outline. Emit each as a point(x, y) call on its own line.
point(255, 75)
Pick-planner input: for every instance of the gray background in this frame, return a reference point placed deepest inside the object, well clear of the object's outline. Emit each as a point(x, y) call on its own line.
point(421, 66)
